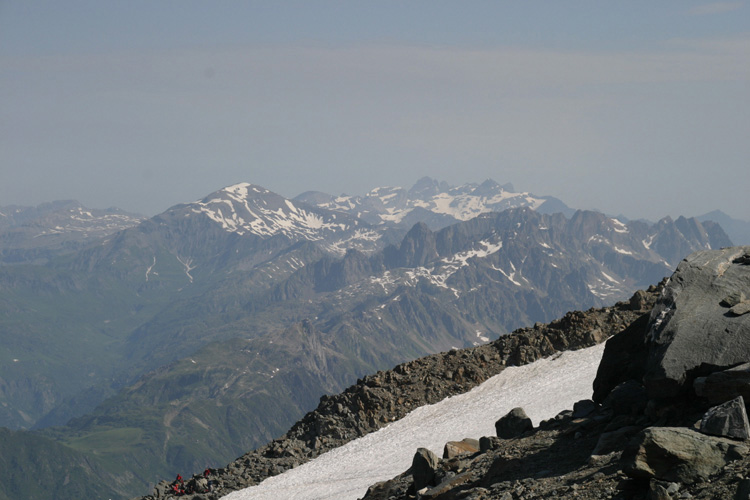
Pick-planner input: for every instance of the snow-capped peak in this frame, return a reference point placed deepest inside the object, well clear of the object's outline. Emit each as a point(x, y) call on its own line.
point(250, 209)
point(385, 205)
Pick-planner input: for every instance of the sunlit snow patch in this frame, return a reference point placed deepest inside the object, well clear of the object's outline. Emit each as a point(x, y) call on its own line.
point(543, 389)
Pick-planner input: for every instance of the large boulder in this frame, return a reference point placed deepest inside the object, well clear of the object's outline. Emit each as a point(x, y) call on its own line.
point(680, 454)
point(466, 446)
point(423, 468)
point(513, 424)
point(624, 359)
point(691, 329)
point(727, 420)
point(725, 385)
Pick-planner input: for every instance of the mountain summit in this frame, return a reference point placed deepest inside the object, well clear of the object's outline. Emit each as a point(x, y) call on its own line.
point(158, 346)
point(250, 209)
point(447, 204)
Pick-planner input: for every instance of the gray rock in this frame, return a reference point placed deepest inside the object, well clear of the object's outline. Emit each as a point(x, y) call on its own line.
point(446, 485)
point(639, 301)
point(515, 423)
point(733, 299)
point(725, 385)
point(740, 309)
point(423, 468)
point(679, 454)
point(161, 489)
point(743, 490)
point(727, 420)
point(624, 359)
point(583, 408)
point(463, 447)
point(487, 443)
point(614, 440)
point(689, 327)
point(660, 490)
point(628, 398)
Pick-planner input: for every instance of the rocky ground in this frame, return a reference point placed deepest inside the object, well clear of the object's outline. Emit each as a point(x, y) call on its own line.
point(668, 419)
point(556, 460)
point(379, 399)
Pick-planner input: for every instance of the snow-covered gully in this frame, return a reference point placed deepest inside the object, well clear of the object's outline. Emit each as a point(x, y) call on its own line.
point(543, 389)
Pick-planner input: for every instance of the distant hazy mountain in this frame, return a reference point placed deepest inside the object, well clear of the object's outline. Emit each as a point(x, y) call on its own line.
point(738, 230)
point(36, 234)
point(435, 203)
point(208, 329)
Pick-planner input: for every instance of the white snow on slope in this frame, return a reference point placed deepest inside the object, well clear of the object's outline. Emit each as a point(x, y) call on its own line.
point(543, 389)
point(393, 204)
point(437, 274)
point(245, 208)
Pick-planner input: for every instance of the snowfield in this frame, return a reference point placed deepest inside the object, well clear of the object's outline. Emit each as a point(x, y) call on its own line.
point(543, 389)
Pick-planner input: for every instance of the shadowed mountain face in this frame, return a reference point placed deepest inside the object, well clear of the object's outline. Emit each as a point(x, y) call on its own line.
point(208, 329)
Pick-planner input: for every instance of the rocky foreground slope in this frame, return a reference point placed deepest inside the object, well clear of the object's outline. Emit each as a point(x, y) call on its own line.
point(386, 396)
point(667, 420)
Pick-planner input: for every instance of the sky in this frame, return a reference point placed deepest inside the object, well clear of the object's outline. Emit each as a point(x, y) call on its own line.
point(636, 108)
point(542, 389)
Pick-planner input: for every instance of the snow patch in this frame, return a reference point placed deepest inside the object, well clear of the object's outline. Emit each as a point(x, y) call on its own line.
point(188, 263)
point(619, 227)
point(610, 278)
point(543, 389)
point(148, 271)
point(648, 241)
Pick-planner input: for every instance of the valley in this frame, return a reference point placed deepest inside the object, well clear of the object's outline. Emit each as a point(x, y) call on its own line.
point(188, 338)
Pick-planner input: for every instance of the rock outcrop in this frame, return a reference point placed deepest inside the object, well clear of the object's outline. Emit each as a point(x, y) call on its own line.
point(728, 419)
point(680, 454)
point(514, 424)
point(651, 431)
point(383, 397)
point(696, 326)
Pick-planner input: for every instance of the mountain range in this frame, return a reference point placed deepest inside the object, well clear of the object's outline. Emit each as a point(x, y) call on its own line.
point(185, 339)
point(36, 234)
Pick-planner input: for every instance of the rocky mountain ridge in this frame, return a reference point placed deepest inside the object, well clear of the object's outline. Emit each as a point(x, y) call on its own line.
point(668, 417)
point(150, 311)
point(435, 203)
point(378, 399)
point(37, 234)
point(737, 230)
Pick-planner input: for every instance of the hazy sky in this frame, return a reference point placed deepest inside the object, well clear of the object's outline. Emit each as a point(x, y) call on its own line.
point(639, 107)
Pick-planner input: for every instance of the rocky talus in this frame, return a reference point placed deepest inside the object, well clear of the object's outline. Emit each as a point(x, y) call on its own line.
point(668, 418)
point(386, 396)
